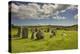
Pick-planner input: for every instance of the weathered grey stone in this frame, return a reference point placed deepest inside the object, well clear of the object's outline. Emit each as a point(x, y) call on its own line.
point(24, 32)
point(33, 35)
point(52, 33)
point(19, 32)
point(39, 35)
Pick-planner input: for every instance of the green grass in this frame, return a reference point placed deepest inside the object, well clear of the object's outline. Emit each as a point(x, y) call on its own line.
point(70, 41)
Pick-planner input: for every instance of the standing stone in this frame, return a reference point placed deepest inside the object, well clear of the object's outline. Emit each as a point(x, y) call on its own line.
point(19, 32)
point(48, 29)
point(24, 32)
point(39, 35)
point(36, 29)
point(33, 35)
point(52, 33)
point(21, 28)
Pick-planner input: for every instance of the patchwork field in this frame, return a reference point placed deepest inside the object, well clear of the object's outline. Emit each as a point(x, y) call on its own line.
point(58, 42)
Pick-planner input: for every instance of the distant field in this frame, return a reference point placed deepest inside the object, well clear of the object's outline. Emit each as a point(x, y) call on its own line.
point(70, 41)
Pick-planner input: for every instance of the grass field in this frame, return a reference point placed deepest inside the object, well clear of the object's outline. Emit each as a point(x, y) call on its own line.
point(70, 41)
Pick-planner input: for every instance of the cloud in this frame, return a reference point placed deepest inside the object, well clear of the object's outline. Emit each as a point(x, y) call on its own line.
point(49, 8)
point(76, 16)
point(58, 17)
point(71, 7)
point(27, 11)
point(37, 11)
point(14, 8)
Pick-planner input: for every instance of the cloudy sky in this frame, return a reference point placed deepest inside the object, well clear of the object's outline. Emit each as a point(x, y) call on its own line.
point(28, 13)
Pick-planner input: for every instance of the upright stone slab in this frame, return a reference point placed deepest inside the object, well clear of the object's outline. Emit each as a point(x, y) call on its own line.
point(36, 29)
point(24, 32)
point(19, 32)
point(52, 34)
point(21, 28)
point(39, 35)
point(33, 35)
point(48, 29)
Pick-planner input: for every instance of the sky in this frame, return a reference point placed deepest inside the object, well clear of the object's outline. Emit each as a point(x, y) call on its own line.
point(31, 13)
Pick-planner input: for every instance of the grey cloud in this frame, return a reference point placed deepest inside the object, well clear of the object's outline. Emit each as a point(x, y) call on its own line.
point(14, 8)
point(76, 16)
point(33, 10)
